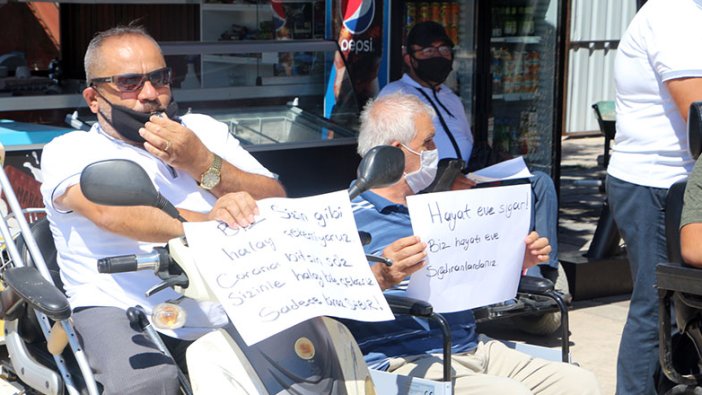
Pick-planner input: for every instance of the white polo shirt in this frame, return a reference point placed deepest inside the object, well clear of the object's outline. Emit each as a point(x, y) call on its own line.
point(662, 43)
point(80, 242)
point(455, 117)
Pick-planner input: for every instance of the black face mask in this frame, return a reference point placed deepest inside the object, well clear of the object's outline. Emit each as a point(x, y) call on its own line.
point(434, 69)
point(127, 122)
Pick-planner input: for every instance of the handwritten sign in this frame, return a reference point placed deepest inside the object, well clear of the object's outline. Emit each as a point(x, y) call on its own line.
point(302, 258)
point(507, 170)
point(475, 245)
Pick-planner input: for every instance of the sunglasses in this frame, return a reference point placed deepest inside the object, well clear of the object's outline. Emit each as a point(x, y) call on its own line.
point(133, 82)
point(429, 52)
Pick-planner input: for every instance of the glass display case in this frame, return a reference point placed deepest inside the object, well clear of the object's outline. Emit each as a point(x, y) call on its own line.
point(264, 128)
point(227, 21)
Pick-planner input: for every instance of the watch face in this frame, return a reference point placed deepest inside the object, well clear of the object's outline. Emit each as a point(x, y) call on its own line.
point(210, 179)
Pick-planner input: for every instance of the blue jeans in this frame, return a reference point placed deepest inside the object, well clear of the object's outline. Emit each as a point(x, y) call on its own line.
point(639, 212)
point(544, 216)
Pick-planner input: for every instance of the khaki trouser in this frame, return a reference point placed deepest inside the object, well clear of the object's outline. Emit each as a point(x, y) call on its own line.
point(494, 368)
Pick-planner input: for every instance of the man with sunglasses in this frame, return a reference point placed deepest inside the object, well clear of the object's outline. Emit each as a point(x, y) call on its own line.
point(193, 161)
point(428, 61)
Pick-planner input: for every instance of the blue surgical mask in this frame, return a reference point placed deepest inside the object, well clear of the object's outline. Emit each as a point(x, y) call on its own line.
point(421, 178)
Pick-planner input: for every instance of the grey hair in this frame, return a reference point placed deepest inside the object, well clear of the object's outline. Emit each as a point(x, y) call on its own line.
point(390, 118)
point(92, 54)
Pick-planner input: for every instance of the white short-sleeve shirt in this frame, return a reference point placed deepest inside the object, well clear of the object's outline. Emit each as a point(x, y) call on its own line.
point(661, 43)
point(80, 242)
point(452, 111)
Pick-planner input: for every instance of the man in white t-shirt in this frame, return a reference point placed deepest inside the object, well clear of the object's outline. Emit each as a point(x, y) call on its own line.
point(658, 73)
point(193, 161)
point(428, 59)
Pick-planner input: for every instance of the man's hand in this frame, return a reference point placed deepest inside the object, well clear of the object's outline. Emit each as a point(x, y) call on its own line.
point(537, 250)
point(407, 256)
point(180, 147)
point(237, 209)
point(461, 183)
point(176, 145)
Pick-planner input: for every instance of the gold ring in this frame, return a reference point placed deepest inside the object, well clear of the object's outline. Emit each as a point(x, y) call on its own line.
point(168, 145)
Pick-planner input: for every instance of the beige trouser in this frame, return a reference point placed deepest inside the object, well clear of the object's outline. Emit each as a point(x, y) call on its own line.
point(497, 369)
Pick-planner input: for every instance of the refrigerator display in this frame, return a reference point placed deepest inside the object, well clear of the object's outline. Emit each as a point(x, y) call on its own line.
point(521, 55)
point(506, 70)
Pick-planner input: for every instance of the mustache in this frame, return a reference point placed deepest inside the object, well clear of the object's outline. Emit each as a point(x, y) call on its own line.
point(153, 106)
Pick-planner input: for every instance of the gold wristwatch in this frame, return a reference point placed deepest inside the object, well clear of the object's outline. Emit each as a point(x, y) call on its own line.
point(211, 177)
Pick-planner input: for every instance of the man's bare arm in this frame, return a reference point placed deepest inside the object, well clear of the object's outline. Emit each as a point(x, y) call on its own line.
point(178, 146)
point(685, 91)
point(691, 244)
point(140, 222)
point(236, 180)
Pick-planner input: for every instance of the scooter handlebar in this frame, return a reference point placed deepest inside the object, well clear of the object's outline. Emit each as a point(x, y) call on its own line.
point(117, 264)
point(129, 263)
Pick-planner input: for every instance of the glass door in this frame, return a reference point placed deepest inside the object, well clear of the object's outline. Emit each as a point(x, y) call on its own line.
point(521, 60)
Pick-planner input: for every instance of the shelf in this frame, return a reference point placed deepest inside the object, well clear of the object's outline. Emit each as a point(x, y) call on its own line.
point(514, 96)
point(464, 55)
point(516, 39)
point(241, 7)
point(229, 59)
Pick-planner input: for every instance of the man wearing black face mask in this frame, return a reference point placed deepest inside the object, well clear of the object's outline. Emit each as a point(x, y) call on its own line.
point(428, 59)
point(193, 161)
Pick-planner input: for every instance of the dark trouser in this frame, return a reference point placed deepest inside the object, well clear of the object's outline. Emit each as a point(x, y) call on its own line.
point(639, 212)
point(544, 220)
point(123, 360)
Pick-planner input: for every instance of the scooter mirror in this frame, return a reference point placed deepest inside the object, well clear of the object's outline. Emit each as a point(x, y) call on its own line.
point(121, 182)
point(381, 166)
point(694, 129)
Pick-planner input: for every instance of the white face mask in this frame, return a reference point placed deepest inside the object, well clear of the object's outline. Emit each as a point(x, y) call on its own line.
point(421, 178)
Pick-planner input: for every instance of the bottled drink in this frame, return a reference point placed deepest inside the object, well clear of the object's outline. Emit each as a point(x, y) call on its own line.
point(424, 12)
point(436, 12)
point(496, 70)
point(444, 15)
point(410, 16)
point(527, 25)
point(455, 21)
point(497, 23)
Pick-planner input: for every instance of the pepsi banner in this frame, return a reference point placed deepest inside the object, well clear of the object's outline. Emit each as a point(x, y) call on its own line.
point(358, 26)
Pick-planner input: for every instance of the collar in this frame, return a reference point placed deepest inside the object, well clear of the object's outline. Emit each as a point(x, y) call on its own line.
point(407, 79)
point(381, 204)
point(141, 150)
point(99, 130)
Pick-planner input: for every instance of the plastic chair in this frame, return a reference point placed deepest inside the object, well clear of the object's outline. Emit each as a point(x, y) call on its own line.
point(606, 119)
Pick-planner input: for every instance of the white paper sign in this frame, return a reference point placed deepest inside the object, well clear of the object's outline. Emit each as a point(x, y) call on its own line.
point(302, 258)
point(475, 245)
point(507, 170)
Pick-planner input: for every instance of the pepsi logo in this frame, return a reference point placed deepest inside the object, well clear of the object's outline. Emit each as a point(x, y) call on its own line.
point(279, 18)
point(358, 15)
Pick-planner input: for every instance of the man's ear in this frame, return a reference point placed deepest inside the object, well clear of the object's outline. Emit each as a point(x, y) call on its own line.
point(90, 96)
point(407, 59)
point(395, 144)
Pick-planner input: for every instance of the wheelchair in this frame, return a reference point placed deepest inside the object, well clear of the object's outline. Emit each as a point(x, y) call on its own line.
point(536, 296)
point(680, 291)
